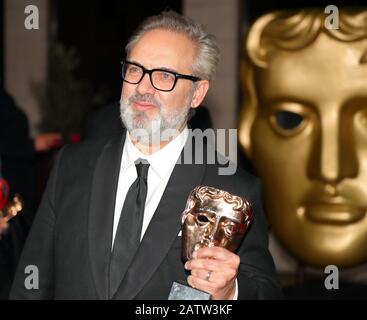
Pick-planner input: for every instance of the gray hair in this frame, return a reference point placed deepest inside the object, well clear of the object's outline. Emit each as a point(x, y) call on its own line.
point(207, 50)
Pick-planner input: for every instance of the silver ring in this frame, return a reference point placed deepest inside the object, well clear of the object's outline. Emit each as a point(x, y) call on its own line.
point(208, 275)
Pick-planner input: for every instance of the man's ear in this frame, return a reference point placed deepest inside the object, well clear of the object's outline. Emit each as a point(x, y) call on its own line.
point(202, 87)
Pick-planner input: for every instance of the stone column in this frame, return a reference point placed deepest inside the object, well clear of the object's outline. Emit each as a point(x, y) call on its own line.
point(221, 18)
point(25, 55)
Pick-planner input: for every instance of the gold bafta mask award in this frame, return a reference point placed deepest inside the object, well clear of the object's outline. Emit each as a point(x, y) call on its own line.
point(8, 208)
point(212, 217)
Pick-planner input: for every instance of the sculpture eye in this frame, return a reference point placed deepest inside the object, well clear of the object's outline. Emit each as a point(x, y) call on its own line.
point(229, 228)
point(202, 219)
point(288, 120)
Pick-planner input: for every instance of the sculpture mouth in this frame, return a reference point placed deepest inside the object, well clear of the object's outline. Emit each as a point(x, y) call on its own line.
point(334, 213)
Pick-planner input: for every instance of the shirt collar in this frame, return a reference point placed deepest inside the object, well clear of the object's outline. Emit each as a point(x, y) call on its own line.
point(161, 161)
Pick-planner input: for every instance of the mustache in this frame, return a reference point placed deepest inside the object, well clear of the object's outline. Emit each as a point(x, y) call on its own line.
point(145, 98)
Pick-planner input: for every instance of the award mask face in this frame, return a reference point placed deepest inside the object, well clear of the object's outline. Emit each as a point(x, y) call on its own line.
point(213, 217)
point(307, 138)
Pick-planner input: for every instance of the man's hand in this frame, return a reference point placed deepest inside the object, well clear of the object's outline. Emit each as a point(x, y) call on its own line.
point(214, 270)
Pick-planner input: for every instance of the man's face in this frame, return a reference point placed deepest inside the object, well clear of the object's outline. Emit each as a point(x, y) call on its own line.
point(142, 104)
point(309, 144)
point(211, 223)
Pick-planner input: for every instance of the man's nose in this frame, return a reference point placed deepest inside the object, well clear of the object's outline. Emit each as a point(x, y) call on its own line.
point(333, 155)
point(145, 85)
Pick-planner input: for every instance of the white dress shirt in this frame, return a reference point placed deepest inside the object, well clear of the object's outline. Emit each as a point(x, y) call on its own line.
point(161, 166)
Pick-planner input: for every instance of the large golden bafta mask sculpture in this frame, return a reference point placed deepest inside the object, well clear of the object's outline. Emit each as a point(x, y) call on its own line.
point(304, 127)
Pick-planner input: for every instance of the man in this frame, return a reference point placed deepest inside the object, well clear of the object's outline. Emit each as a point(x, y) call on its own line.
point(76, 238)
point(304, 128)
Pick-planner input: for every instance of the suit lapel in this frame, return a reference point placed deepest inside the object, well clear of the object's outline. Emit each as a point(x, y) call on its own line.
point(101, 211)
point(162, 230)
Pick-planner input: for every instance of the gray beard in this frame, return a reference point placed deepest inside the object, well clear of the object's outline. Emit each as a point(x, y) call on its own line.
point(147, 130)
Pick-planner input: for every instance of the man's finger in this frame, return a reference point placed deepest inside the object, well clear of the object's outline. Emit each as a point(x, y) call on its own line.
point(206, 264)
point(217, 253)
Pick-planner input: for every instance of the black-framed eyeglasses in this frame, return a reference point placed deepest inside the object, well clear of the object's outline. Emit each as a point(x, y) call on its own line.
point(161, 79)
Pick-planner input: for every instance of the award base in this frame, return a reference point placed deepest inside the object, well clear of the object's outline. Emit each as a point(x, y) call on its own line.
point(182, 292)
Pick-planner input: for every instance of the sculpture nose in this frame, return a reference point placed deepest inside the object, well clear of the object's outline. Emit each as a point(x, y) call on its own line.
point(214, 231)
point(333, 155)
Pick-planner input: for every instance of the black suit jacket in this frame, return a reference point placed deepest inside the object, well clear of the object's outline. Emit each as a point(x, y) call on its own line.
point(70, 241)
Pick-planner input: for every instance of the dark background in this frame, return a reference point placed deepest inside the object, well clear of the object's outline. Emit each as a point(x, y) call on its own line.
point(1, 42)
point(99, 30)
point(253, 8)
